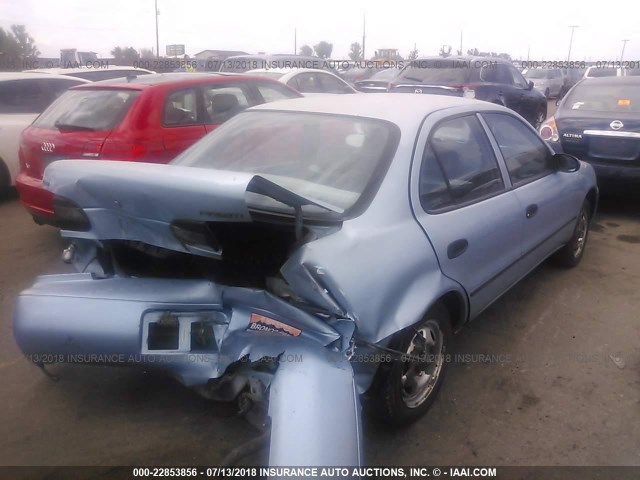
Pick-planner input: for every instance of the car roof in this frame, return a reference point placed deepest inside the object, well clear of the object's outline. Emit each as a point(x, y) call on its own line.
point(399, 108)
point(71, 71)
point(285, 71)
point(168, 79)
point(612, 81)
point(461, 58)
point(4, 76)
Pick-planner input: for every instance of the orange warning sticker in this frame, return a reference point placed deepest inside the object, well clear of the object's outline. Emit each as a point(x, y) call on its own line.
point(260, 323)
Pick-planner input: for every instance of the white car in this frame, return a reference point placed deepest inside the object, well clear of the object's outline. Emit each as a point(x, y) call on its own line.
point(597, 72)
point(23, 96)
point(95, 74)
point(307, 81)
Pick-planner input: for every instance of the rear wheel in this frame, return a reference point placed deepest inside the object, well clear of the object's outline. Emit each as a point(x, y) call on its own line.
point(403, 390)
point(546, 93)
point(5, 180)
point(570, 255)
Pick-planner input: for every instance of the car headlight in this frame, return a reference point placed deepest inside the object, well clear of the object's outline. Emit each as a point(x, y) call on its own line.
point(549, 130)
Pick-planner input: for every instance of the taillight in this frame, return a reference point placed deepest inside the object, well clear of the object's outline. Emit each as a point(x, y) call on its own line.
point(116, 150)
point(549, 130)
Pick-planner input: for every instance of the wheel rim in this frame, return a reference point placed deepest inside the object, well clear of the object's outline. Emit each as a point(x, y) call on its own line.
point(581, 235)
point(419, 379)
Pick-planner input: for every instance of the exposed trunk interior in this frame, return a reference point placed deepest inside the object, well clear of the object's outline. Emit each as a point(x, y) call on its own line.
point(251, 254)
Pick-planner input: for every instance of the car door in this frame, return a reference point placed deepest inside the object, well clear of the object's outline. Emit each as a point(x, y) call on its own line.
point(461, 198)
point(21, 101)
point(555, 82)
point(547, 202)
point(223, 101)
point(182, 122)
point(529, 102)
point(331, 84)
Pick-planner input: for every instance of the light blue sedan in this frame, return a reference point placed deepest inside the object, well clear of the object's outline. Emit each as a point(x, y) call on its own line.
point(309, 252)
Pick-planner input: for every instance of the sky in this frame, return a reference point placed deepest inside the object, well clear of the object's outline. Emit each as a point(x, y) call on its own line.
point(521, 28)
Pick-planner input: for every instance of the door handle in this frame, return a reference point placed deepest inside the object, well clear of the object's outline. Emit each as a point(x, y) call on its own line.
point(457, 248)
point(531, 210)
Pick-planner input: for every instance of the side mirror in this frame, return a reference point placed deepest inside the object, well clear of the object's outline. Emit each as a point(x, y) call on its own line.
point(530, 85)
point(566, 163)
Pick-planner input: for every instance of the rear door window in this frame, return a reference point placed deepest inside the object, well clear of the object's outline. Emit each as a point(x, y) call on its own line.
point(331, 84)
point(57, 86)
point(459, 166)
point(91, 110)
point(23, 96)
point(525, 154)
point(306, 83)
point(181, 108)
point(221, 102)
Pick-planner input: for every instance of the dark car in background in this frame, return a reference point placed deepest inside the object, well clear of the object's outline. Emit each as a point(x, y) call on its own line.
point(490, 79)
point(599, 122)
point(378, 82)
point(151, 118)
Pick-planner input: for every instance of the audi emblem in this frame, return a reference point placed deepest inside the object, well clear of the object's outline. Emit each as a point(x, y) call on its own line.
point(47, 147)
point(616, 124)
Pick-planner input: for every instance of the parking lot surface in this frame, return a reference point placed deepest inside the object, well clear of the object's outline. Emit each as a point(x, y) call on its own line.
point(549, 375)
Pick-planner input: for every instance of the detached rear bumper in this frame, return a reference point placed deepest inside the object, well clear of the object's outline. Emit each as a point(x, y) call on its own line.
point(192, 329)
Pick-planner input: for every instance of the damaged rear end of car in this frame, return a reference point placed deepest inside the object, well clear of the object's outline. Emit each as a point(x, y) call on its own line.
point(200, 273)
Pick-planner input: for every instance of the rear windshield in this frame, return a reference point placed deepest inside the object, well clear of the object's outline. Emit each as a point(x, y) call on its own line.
point(604, 98)
point(537, 73)
point(267, 74)
point(331, 158)
point(94, 110)
point(436, 72)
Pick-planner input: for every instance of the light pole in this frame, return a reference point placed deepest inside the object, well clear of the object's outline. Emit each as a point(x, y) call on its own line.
point(572, 27)
point(157, 36)
point(624, 44)
point(364, 34)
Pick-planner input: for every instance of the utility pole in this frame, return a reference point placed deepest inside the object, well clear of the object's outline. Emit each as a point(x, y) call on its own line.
point(157, 36)
point(461, 52)
point(295, 41)
point(364, 34)
point(624, 44)
point(572, 27)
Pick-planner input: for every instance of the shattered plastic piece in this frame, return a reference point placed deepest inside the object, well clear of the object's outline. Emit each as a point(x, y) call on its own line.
point(618, 360)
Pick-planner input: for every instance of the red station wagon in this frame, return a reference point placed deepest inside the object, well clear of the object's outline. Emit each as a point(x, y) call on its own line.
point(151, 118)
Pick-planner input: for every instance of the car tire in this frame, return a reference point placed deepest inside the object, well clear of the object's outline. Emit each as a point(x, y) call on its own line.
point(402, 392)
point(570, 255)
point(5, 181)
point(546, 94)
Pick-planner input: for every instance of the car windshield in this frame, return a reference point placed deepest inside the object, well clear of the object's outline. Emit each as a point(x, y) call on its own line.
point(602, 72)
point(95, 110)
point(436, 72)
point(331, 158)
point(537, 73)
point(604, 98)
